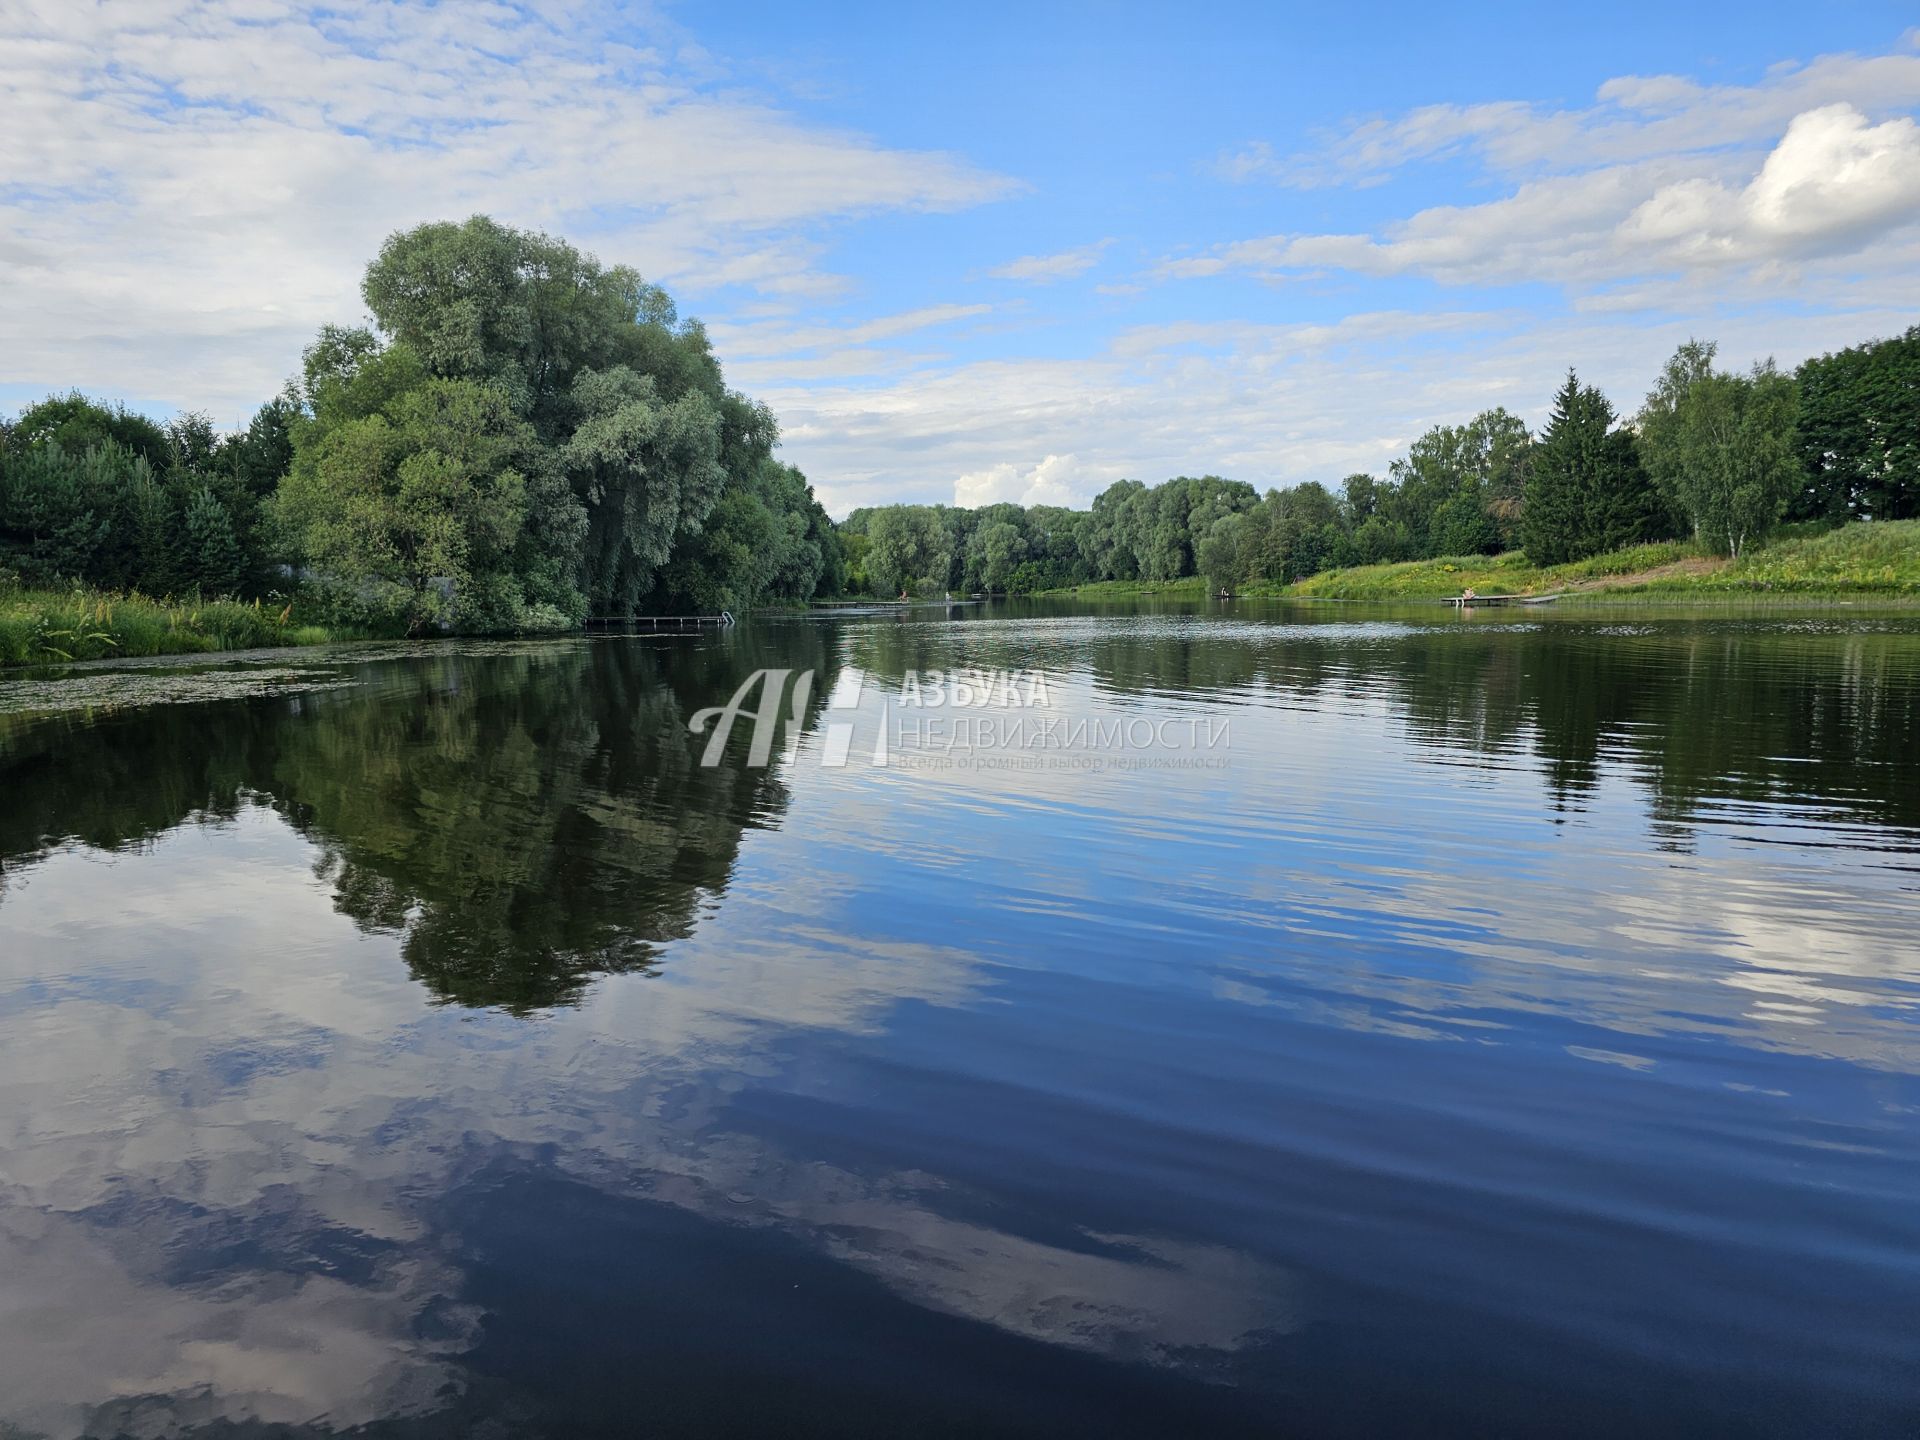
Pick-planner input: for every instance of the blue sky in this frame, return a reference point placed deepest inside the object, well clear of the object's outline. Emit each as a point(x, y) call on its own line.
point(988, 252)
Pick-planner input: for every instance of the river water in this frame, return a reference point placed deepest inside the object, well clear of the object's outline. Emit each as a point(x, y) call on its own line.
point(1261, 1019)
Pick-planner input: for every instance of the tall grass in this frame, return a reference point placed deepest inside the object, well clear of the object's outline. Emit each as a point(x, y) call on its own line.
point(40, 627)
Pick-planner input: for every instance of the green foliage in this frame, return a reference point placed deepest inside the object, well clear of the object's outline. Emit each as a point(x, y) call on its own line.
point(1587, 492)
point(1867, 558)
point(766, 540)
point(91, 493)
point(647, 471)
point(77, 424)
point(1380, 541)
point(854, 545)
point(70, 514)
point(909, 549)
point(213, 551)
point(1462, 477)
point(1002, 548)
point(428, 488)
point(1222, 553)
point(1462, 525)
point(1461, 485)
point(530, 437)
point(1859, 428)
point(1509, 573)
point(1723, 448)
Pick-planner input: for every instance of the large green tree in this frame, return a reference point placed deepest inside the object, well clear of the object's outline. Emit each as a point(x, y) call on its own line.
point(908, 548)
point(1587, 492)
point(1859, 427)
point(1459, 489)
point(411, 510)
point(609, 412)
point(766, 539)
point(1724, 449)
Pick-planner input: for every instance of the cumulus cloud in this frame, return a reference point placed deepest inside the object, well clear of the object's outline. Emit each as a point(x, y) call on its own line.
point(1056, 480)
point(189, 189)
point(1634, 118)
point(1044, 269)
point(1832, 184)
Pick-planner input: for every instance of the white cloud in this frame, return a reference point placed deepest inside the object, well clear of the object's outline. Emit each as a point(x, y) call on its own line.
point(779, 338)
point(1636, 117)
point(1832, 184)
point(189, 190)
point(1045, 269)
point(1056, 480)
point(888, 326)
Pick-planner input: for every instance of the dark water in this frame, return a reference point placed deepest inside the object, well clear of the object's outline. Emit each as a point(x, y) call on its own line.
point(1420, 1026)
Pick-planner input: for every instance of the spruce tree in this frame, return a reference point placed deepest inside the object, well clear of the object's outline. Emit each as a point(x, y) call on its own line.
point(212, 554)
point(1588, 491)
point(1552, 523)
point(1624, 506)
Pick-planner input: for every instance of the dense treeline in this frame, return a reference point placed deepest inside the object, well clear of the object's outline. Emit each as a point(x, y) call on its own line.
point(113, 499)
point(1711, 456)
point(523, 438)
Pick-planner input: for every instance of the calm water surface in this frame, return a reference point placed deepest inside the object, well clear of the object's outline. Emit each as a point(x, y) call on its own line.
point(1508, 1025)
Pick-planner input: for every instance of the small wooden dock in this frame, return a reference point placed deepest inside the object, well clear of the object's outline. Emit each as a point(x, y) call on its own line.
point(656, 622)
point(1463, 601)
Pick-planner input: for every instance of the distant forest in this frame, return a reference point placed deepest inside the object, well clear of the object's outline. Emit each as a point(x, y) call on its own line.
point(526, 438)
point(1714, 456)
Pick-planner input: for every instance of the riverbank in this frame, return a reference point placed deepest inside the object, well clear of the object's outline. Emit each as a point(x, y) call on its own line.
point(39, 627)
point(1861, 559)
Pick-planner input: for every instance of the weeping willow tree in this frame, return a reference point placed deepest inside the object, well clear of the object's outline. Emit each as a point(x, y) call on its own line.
point(603, 442)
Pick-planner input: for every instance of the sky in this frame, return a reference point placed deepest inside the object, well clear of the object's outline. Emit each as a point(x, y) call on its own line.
point(993, 251)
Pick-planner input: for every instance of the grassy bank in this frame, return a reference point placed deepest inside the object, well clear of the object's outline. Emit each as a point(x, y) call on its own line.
point(41, 627)
point(1508, 574)
point(1862, 559)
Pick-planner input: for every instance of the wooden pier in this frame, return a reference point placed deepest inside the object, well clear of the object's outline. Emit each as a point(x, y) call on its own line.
point(656, 622)
point(1463, 601)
